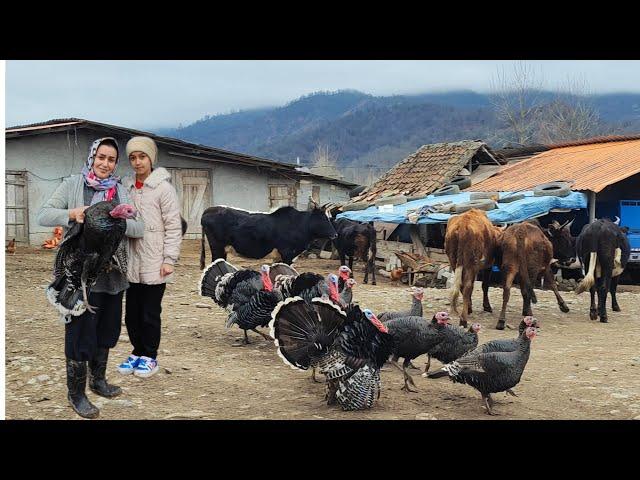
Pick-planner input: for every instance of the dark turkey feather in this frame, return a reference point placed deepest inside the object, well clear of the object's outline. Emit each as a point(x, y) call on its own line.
point(491, 372)
point(212, 276)
point(256, 311)
point(85, 253)
point(276, 269)
point(457, 341)
point(414, 311)
point(414, 336)
point(304, 332)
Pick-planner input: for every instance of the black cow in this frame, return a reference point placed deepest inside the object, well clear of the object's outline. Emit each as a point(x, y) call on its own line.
point(603, 250)
point(285, 232)
point(184, 225)
point(357, 240)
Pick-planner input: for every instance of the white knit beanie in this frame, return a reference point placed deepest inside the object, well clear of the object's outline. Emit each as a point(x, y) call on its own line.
point(143, 144)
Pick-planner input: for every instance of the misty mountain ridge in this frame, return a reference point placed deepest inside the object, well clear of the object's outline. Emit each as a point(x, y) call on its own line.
point(372, 133)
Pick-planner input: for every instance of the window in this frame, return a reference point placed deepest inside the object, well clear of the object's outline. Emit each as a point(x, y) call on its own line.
point(282, 196)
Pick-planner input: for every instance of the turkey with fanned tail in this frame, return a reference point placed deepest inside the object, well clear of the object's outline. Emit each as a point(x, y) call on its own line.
point(87, 251)
point(248, 295)
point(349, 348)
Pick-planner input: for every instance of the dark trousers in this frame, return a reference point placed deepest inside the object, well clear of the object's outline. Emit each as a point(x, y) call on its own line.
point(87, 332)
point(142, 317)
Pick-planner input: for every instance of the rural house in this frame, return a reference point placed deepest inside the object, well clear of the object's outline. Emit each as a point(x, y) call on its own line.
point(39, 156)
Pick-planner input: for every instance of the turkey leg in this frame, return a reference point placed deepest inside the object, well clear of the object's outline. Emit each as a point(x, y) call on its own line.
point(264, 335)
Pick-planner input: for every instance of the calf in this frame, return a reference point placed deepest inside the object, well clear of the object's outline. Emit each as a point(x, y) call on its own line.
point(526, 251)
point(357, 240)
point(284, 233)
point(603, 250)
point(471, 243)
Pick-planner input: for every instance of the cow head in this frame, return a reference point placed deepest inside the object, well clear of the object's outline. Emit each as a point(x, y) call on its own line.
point(319, 224)
point(564, 244)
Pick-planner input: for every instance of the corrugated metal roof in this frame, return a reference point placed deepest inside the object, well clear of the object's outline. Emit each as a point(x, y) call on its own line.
point(426, 170)
point(193, 148)
point(588, 166)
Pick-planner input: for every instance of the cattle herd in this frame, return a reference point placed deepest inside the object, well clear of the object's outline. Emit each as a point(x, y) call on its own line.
point(315, 323)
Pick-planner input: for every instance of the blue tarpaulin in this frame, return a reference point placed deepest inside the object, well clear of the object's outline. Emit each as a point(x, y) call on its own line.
point(513, 212)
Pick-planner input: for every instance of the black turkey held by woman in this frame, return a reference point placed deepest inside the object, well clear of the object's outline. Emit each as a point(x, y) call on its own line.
point(84, 254)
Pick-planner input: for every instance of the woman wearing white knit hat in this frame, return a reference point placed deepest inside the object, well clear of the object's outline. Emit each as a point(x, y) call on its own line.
point(151, 258)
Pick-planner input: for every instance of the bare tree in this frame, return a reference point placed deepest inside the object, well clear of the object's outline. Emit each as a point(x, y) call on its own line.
point(324, 161)
point(515, 95)
point(571, 115)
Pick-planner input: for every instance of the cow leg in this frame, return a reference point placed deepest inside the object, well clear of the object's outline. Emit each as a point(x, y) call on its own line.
point(549, 281)
point(614, 286)
point(486, 278)
point(373, 250)
point(351, 262)
point(468, 278)
point(217, 251)
point(506, 293)
point(525, 289)
point(593, 311)
point(366, 270)
point(603, 292)
point(343, 260)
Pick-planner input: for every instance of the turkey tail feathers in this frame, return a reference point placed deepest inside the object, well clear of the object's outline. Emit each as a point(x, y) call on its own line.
point(212, 275)
point(301, 330)
point(66, 299)
point(281, 269)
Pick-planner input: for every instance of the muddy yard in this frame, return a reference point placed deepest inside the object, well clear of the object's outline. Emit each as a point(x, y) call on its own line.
point(578, 369)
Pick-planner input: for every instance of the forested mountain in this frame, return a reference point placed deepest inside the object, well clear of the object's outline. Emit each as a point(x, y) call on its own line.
point(364, 132)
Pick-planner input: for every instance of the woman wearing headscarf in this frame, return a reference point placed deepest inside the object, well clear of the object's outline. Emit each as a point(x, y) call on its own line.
point(152, 257)
point(89, 337)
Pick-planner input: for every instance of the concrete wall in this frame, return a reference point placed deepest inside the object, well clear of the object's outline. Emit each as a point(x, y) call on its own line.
point(48, 158)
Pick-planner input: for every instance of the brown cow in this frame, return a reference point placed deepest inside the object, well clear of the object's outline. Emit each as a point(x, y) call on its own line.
point(526, 251)
point(471, 243)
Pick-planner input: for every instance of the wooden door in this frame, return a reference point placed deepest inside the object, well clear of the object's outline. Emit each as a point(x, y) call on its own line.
point(194, 194)
point(16, 209)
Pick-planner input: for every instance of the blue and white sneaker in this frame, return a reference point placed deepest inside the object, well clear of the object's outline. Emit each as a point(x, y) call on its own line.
point(129, 365)
point(146, 367)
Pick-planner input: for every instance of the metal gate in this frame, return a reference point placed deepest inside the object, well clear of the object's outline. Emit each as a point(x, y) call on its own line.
point(16, 210)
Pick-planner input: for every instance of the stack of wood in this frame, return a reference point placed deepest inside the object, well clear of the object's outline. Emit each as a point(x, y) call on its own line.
point(56, 240)
point(422, 265)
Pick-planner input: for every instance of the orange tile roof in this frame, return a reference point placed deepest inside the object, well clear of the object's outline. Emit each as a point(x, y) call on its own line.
point(589, 167)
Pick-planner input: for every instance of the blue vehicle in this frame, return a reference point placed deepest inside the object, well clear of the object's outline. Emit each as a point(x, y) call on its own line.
point(630, 218)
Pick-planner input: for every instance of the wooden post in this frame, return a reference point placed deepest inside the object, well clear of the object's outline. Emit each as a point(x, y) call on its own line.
point(417, 243)
point(592, 207)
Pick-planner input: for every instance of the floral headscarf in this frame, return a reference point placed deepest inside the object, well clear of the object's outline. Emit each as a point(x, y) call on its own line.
point(105, 188)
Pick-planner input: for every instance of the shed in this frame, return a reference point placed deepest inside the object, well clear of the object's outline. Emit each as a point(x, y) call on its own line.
point(430, 168)
point(607, 169)
point(39, 156)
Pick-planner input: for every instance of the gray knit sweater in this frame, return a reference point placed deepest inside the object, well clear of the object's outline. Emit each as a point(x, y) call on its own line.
point(73, 193)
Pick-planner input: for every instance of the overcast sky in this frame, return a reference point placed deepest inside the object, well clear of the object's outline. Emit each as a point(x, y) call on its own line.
point(150, 94)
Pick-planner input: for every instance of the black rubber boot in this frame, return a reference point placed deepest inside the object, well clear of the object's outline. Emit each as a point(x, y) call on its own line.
point(77, 383)
point(97, 378)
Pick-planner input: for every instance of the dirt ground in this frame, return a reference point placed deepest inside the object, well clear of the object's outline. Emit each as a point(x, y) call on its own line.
point(578, 369)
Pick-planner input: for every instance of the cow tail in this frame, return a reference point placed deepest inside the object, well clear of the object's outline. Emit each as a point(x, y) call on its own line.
point(202, 250)
point(457, 283)
point(589, 279)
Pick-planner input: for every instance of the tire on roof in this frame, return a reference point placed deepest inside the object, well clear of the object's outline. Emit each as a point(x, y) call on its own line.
point(484, 195)
point(552, 189)
point(446, 190)
point(462, 181)
point(482, 204)
point(511, 198)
